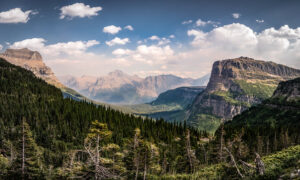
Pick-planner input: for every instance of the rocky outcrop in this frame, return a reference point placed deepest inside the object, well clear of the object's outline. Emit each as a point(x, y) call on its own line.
point(33, 61)
point(289, 90)
point(121, 88)
point(235, 85)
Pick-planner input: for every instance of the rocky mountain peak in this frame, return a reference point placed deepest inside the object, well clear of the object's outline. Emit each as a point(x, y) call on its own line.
point(248, 69)
point(32, 61)
point(24, 54)
point(235, 85)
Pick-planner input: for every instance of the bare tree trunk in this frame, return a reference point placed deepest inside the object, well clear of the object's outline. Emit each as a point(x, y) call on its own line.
point(23, 149)
point(188, 149)
point(137, 166)
point(234, 163)
point(260, 166)
point(145, 168)
point(205, 156)
point(11, 153)
point(136, 155)
point(97, 158)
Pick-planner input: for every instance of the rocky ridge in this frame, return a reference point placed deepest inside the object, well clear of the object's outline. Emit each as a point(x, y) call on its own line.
point(235, 85)
point(32, 61)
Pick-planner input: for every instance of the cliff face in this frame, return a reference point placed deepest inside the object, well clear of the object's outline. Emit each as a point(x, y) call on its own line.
point(31, 60)
point(289, 90)
point(235, 85)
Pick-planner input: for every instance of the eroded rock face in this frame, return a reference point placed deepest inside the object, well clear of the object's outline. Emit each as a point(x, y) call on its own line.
point(290, 90)
point(33, 61)
point(236, 84)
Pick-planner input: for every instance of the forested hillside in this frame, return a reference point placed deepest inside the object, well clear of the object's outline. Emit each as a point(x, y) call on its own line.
point(44, 135)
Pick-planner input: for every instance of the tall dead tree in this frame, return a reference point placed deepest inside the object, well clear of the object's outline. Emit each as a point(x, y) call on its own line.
point(136, 158)
point(260, 166)
point(23, 148)
point(234, 163)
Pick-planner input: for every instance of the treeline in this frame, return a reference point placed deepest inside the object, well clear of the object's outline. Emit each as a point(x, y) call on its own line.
point(43, 135)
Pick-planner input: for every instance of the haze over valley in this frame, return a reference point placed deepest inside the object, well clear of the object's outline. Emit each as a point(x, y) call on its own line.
point(130, 89)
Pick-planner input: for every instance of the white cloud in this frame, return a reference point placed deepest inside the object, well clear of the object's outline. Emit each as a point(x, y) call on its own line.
point(1, 47)
point(236, 15)
point(117, 41)
point(147, 54)
point(154, 38)
point(187, 22)
point(79, 10)
point(172, 36)
point(259, 20)
point(200, 22)
point(161, 41)
point(112, 29)
point(280, 45)
point(231, 37)
point(15, 15)
point(129, 27)
point(66, 48)
point(121, 52)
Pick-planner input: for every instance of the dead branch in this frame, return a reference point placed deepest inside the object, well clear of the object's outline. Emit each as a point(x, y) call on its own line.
point(233, 160)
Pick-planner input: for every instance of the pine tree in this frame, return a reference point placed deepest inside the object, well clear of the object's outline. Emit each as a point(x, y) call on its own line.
point(98, 134)
point(29, 161)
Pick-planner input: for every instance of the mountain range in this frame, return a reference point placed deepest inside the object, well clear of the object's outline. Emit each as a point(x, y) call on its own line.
point(120, 88)
point(234, 86)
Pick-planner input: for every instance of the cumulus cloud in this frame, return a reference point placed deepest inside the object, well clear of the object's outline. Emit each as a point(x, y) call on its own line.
point(236, 15)
point(154, 38)
point(121, 52)
point(147, 54)
point(79, 10)
point(112, 29)
point(161, 41)
point(172, 36)
point(259, 20)
point(200, 22)
point(16, 15)
point(187, 22)
point(117, 41)
point(129, 27)
point(1, 47)
point(62, 48)
point(234, 40)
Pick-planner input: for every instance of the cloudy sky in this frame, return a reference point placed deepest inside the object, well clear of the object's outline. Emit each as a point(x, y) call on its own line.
point(146, 37)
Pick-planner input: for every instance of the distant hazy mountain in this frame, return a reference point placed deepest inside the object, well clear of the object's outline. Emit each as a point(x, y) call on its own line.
point(120, 88)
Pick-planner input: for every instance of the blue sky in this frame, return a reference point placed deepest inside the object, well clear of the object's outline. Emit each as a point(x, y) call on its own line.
point(187, 35)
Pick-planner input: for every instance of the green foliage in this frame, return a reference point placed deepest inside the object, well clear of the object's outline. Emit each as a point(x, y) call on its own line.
point(229, 97)
point(207, 122)
point(257, 89)
point(58, 126)
point(281, 162)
